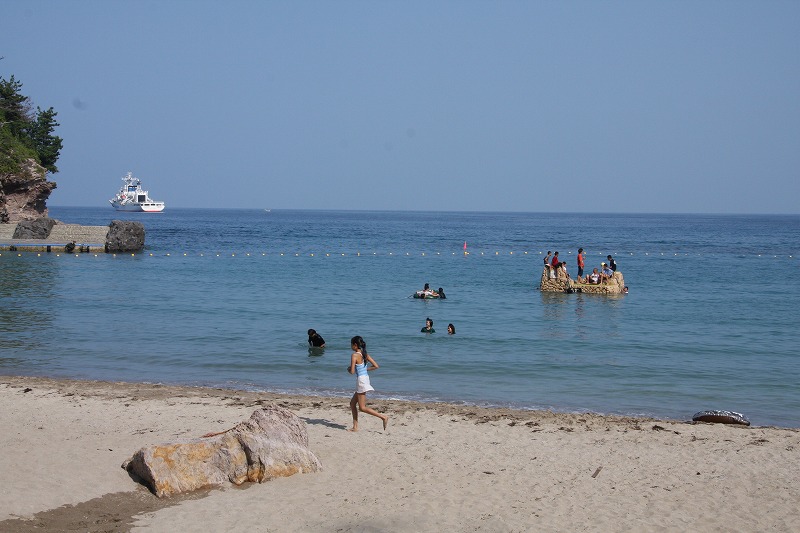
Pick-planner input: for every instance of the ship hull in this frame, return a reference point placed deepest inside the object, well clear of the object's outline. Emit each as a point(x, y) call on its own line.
point(139, 208)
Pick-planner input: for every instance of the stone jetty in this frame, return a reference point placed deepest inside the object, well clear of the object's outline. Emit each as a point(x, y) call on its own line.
point(49, 235)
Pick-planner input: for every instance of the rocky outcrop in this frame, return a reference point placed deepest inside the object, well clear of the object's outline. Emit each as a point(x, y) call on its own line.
point(124, 236)
point(39, 228)
point(615, 285)
point(23, 196)
point(272, 443)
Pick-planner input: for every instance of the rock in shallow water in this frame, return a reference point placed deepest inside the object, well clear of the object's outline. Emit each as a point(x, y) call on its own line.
point(124, 236)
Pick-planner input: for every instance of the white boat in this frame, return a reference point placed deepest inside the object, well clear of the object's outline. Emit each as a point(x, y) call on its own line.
point(131, 197)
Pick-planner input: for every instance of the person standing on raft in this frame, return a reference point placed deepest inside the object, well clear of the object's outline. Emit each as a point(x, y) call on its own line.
point(360, 363)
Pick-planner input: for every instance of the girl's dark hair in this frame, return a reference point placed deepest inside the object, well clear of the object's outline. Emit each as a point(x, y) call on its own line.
point(362, 346)
point(451, 326)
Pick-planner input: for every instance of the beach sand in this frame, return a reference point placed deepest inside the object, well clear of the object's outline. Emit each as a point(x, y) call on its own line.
point(438, 467)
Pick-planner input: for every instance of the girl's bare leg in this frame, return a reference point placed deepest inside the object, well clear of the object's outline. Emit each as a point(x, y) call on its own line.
point(354, 410)
point(362, 405)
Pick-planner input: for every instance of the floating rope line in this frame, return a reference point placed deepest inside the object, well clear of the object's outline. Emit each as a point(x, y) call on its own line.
point(496, 253)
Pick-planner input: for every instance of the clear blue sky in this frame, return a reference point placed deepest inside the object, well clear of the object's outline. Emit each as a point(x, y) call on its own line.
point(637, 106)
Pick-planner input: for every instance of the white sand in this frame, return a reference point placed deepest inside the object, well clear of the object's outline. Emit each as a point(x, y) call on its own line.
point(437, 468)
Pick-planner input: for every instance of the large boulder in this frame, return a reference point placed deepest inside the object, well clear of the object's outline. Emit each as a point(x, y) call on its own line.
point(39, 228)
point(23, 195)
point(124, 236)
point(272, 443)
point(615, 285)
point(557, 283)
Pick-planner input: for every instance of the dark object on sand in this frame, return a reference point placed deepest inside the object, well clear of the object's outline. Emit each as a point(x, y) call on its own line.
point(721, 417)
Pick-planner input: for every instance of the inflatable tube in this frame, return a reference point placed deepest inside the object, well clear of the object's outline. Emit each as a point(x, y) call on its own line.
point(721, 417)
point(426, 296)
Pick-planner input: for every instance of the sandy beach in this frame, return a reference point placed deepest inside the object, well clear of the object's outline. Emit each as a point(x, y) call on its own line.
point(438, 467)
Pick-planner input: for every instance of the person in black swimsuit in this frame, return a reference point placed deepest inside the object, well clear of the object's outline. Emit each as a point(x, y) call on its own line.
point(315, 340)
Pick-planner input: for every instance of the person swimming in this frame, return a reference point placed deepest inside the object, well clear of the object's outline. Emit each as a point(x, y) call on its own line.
point(427, 292)
point(315, 340)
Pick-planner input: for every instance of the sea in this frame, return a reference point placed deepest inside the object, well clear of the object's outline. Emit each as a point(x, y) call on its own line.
point(224, 298)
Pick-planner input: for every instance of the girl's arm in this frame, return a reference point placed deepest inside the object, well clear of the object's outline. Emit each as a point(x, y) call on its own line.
point(374, 364)
point(352, 368)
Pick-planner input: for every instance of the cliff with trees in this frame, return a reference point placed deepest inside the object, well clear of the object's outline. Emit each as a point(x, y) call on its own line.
point(28, 152)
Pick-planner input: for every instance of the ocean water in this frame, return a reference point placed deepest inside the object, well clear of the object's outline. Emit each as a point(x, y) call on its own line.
point(224, 298)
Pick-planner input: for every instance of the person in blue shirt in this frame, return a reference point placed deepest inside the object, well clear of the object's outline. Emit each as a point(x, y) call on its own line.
point(606, 273)
point(361, 363)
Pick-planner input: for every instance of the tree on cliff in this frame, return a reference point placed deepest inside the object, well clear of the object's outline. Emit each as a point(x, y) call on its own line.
point(23, 133)
point(47, 145)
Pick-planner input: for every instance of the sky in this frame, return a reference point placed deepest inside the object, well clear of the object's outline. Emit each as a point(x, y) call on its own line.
point(533, 106)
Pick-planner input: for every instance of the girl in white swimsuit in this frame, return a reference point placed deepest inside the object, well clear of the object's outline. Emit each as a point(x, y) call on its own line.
point(360, 363)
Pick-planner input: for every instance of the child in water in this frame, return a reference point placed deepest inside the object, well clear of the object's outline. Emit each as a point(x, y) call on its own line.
point(360, 363)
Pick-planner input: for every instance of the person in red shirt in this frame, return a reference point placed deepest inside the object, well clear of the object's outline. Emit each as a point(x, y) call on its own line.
point(581, 256)
point(554, 263)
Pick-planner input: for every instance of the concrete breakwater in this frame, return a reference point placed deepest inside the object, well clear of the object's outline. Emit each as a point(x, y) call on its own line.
point(119, 236)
